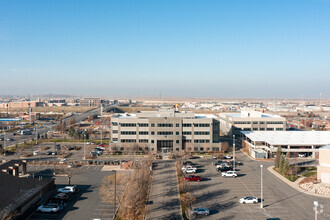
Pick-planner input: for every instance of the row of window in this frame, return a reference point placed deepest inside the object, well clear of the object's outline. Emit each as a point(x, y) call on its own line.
point(160, 125)
point(128, 132)
point(256, 122)
point(262, 129)
point(152, 141)
point(164, 133)
point(201, 141)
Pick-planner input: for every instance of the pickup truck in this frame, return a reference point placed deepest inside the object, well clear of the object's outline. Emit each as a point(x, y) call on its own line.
point(193, 178)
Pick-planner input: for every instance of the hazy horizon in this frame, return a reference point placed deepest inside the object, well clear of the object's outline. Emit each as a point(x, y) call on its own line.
point(220, 49)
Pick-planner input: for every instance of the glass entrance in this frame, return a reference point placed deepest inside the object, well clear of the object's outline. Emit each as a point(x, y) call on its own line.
point(165, 146)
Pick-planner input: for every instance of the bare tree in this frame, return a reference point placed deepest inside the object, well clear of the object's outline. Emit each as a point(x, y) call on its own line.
point(72, 121)
point(224, 147)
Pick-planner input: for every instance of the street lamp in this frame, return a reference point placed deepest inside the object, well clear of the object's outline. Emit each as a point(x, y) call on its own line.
point(234, 152)
point(84, 146)
point(261, 203)
point(316, 208)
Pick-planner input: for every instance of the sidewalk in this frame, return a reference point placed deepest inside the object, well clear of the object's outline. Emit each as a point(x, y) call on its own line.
point(164, 202)
point(294, 185)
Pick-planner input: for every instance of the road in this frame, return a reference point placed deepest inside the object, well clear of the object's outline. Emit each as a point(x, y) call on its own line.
point(49, 127)
point(164, 200)
point(221, 195)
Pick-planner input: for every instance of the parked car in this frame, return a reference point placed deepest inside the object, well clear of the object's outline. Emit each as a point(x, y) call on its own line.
point(116, 162)
point(248, 199)
point(61, 196)
point(223, 165)
point(10, 139)
point(237, 163)
point(49, 208)
point(224, 169)
point(102, 145)
point(188, 167)
point(228, 156)
point(188, 171)
point(188, 163)
point(37, 152)
point(193, 178)
point(229, 174)
point(217, 162)
point(67, 189)
point(301, 155)
point(200, 211)
point(63, 160)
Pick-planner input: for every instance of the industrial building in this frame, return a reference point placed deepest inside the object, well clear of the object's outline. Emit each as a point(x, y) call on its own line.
point(323, 169)
point(165, 131)
point(264, 144)
point(234, 123)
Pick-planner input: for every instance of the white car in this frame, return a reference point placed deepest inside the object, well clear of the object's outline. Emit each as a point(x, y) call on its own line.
point(67, 189)
point(63, 160)
point(223, 165)
point(50, 208)
point(190, 171)
point(301, 155)
point(228, 156)
point(188, 167)
point(229, 174)
point(248, 199)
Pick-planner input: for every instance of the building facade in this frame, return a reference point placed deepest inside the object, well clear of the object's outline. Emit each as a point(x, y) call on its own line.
point(323, 169)
point(165, 131)
point(292, 143)
point(90, 102)
point(234, 123)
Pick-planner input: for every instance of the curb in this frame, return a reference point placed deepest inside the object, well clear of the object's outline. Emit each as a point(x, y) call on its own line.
point(293, 184)
point(176, 173)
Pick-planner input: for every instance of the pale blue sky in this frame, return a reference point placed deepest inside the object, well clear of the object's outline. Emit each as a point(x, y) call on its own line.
point(220, 48)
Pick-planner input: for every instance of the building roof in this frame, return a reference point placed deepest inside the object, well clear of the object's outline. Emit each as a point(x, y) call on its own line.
point(250, 114)
point(291, 138)
point(164, 114)
point(326, 147)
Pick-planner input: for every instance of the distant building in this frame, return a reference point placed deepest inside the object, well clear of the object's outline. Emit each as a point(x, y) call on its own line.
point(293, 143)
point(165, 131)
point(57, 102)
point(323, 169)
point(233, 123)
point(25, 104)
point(90, 102)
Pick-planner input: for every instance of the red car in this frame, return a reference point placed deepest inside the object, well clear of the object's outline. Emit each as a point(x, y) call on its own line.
point(193, 178)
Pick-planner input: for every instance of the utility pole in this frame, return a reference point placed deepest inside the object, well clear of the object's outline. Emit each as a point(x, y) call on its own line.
point(234, 152)
point(36, 135)
point(114, 214)
point(261, 203)
point(84, 146)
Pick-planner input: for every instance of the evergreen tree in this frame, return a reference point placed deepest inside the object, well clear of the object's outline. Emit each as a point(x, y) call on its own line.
point(278, 157)
point(286, 166)
point(281, 165)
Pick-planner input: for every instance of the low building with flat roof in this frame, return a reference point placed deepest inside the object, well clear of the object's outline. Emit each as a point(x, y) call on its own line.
point(165, 130)
point(234, 123)
point(293, 143)
point(323, 169)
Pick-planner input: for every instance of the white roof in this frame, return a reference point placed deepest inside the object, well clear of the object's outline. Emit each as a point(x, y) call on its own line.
point(292, 138)
point(205, 116)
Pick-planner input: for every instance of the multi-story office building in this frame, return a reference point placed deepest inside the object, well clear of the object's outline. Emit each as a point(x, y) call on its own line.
point(233, 123)
point(90, 102)
point(165, 131)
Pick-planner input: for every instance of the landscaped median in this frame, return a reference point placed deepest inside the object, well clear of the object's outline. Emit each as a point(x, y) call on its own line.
point(186, 198)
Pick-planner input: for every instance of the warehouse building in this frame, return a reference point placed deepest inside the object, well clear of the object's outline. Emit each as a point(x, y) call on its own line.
point(234, 123)
point(165, 131)
point(293, 143)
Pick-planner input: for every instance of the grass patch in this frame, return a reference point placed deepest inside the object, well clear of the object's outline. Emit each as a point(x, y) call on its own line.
point(309, 174)
point(292, 178)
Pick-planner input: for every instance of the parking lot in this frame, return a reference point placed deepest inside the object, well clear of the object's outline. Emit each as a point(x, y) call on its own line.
point(221, 195)
point(84, 204)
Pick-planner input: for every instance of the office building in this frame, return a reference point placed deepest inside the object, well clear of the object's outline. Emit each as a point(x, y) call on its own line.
point(233, 123)
point(323, 169)
point(165, 131)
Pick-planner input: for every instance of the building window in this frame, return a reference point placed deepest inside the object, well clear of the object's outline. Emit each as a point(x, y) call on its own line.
point(255, 122)
point(247, 129)
point(152, 125)
point(152, 141)
point(270, 129)
point(152, 133)
point(201, 133)
point(143, 141)
point(162, 125)
point(128, 141)
point(262, 129)
point(275, 122)
point(261, 122)
point(128, 132)
point(186, 125)
point(177, 141)
point(177, 133)
point(201, 149)
point(279, 129)
point(186, 132)
point(114, 123)
point(187, 141)
point(128, 124)
point(143, 132)
point(242, 122)
point(143, 125)
point(202, 125)
point(255, 129)
point(201, 141)
point(114, 139)
point(115, 131)
point(164, 133)
point(177, 125)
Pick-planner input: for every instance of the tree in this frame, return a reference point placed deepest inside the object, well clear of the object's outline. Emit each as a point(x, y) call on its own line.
point(72, 121)
point(187, 199)
point(281, 165)
point(286, 166)
point(224, 147)
point(278, 157)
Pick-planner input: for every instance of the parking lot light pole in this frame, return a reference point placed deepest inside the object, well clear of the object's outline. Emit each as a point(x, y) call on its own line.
point(234, 152)
point(84, 146)
point(261, 202)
